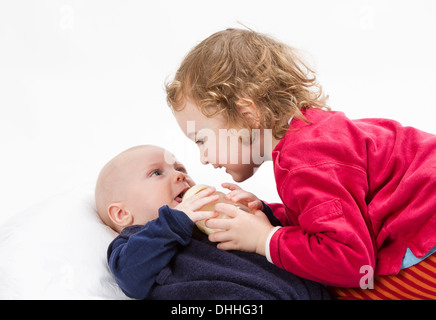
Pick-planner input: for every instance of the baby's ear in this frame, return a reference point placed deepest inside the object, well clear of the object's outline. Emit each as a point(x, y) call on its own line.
point(119, 215)
point(248, 109)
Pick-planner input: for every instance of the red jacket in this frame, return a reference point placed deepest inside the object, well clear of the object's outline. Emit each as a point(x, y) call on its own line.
point(355, 193)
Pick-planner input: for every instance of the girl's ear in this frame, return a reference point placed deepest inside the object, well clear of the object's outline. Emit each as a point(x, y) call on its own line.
point(248, 109)
point(119, 215)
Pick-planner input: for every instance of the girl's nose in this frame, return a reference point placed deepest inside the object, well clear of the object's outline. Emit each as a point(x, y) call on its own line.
point(203, 158)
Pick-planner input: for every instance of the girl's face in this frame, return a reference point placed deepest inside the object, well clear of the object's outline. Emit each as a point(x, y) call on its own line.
point(219, 145)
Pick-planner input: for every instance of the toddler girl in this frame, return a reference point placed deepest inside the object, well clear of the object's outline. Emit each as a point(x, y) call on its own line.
point(358, 195)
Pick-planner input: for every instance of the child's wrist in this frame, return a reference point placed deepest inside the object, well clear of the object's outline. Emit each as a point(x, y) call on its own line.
point(261, 243)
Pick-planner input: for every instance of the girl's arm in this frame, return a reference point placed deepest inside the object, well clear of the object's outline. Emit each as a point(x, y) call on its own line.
point(330, 238)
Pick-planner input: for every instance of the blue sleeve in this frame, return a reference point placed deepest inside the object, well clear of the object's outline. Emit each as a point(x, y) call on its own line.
point(270, 215)
point(139, 253)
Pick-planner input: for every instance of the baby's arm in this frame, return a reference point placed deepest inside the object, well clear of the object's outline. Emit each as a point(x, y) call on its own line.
point(139, 253)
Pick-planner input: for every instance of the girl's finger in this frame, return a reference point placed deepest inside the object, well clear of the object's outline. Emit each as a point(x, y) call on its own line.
point(255, 205)
point(204, 215)
point(228, 209)
point(230, 186)
point(218, 223)
point(242, 195)
point(219, 236)
point(227, 245)
point(232, 194)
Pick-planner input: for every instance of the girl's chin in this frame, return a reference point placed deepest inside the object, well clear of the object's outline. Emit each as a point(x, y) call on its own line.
point(238, 177)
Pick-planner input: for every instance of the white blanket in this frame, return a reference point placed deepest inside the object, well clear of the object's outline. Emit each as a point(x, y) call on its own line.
point(57, 250)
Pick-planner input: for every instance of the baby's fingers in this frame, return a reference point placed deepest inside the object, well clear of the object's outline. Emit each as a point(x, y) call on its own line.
point(200, 203)
point(203, 193)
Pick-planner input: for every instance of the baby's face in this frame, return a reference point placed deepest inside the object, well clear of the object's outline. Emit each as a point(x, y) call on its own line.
point(152, 178)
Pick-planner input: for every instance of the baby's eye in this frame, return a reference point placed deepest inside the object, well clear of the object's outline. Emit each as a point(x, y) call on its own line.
point(156, 173)
point(181, 169)
point(199, 142)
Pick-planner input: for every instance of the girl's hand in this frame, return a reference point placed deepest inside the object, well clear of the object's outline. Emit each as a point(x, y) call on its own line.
point(237, 194)
point(244, 231)
point(192, 205)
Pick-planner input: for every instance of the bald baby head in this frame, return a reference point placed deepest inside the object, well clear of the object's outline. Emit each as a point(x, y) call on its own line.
point(133, 185)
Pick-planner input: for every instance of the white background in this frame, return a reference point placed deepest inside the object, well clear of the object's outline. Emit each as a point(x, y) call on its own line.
point(81, 81)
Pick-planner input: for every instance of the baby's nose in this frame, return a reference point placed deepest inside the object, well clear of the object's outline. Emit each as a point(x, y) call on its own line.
point(180, 176)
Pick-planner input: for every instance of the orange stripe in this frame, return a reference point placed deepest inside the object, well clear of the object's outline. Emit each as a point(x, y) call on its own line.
point(387, 281)
point(416, 283)
point(372, 294)
point(420, 286)
point(424, 273)
point(383, 290)
point(355, 294)
point(391, 291)
point(336, 292)
point(427, 268)
point(414, 291)
point(342, 294)
point(422, 279)
point(431, 260)
point(431, 265)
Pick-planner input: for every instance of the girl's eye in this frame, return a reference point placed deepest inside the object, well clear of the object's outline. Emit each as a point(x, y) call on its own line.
point(199, 142)
point(156, 173)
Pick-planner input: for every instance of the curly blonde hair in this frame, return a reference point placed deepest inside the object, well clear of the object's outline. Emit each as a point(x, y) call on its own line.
point(234, 65)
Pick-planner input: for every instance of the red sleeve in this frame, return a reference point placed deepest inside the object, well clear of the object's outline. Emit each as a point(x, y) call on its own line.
point(280, 213)
point(331, 241)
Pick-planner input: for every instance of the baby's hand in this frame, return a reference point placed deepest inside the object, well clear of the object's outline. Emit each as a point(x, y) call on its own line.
point(239, 195)
point(191, 205)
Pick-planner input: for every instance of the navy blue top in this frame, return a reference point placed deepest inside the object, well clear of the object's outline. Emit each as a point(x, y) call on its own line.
point(169, 258)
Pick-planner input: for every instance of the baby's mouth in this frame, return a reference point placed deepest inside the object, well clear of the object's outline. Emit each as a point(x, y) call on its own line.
point(179, 197)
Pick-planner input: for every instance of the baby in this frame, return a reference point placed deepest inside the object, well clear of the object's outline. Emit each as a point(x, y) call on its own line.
point(160, 254)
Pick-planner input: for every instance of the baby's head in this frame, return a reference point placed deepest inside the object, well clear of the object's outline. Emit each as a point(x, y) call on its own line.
point(235, 72)
point(133, 186)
